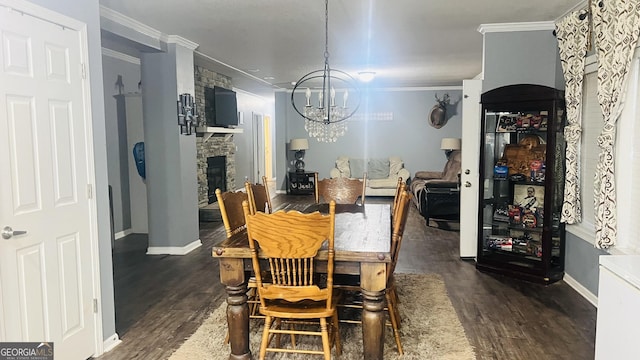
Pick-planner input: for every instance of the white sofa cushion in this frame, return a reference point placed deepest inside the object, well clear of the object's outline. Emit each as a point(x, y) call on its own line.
point(356, 166)
point(342, 164)
point(395, 164)
point(382, 183)
point(378, 169)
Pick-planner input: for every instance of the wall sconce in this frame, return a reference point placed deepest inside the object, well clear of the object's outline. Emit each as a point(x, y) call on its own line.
point(450, 144)
point(187, 114)
point(299, 146)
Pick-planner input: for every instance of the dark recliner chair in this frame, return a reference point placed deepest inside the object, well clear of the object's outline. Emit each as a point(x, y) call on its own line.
point(437, 194)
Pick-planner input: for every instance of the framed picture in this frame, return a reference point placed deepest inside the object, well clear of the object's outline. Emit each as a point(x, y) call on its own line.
point(528, 197)
point(507, 123)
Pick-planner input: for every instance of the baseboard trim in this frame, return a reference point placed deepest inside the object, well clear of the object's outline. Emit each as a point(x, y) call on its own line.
point(581, 290)
point(111, 342)
point(174, 250)
point(120, 234)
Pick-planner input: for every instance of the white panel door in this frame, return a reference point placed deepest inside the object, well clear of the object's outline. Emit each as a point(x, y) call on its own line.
point(258, 148)
point(46, 277)
point(471, 109)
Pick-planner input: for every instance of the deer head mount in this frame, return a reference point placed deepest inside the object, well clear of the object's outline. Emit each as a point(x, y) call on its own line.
point(438, 113)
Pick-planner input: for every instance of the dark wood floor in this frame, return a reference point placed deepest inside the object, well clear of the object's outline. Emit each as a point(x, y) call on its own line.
point(161, 300)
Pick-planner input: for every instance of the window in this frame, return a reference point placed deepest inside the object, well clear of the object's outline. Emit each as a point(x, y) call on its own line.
point(627, 164)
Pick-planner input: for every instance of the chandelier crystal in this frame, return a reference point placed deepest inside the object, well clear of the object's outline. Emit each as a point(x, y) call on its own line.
point(326, 121)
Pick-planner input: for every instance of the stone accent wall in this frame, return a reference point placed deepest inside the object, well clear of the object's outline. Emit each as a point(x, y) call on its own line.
point(217, 145)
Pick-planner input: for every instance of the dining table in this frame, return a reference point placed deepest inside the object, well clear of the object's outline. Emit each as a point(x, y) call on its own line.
point(362, 248)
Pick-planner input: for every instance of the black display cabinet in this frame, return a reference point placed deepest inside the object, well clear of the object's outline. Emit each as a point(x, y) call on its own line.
point(522, 177)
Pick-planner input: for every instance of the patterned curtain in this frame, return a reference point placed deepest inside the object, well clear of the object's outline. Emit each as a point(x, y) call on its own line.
point(573, 34)
point(616, 27)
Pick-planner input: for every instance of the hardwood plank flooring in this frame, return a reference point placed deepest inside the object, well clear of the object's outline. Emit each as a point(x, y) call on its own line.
point(161, 300)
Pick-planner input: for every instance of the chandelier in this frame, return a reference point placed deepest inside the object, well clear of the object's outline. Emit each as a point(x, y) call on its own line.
point(326, 121)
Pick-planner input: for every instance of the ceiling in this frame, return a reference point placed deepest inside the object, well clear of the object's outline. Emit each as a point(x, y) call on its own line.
point(268, 44)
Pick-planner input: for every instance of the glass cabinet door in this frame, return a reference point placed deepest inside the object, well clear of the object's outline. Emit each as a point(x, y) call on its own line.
point(513, 193)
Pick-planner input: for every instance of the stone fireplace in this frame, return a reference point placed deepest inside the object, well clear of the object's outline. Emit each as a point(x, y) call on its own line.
point(215, 147)
point(218, 145)
point(216, 176)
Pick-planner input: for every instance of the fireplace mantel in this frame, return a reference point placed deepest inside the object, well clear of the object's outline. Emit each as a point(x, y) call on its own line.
point(209, 131)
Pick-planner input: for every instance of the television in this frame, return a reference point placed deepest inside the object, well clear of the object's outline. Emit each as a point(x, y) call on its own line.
point(220, 107)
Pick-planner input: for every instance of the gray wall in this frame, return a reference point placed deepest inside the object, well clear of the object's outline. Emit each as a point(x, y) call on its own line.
point(117, 153)
point(170, 158)
point(521, 57)
point(88, 12)
point(409, 135)
point(582, 263)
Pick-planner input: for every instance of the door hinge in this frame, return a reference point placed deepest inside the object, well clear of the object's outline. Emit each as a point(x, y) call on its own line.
point(89, 191)
point(84, 70)
point(95, 306)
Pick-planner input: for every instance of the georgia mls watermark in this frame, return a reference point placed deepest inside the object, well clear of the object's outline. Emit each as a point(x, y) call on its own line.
point(26, 351)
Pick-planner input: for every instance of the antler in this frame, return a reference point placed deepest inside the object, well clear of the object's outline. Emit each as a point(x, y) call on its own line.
point(445, 100)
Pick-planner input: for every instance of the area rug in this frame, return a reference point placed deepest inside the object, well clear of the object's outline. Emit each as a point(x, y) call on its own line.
point(430, 329)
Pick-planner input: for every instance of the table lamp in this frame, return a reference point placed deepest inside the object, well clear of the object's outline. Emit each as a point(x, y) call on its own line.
point(299, 146)
point(450, 144)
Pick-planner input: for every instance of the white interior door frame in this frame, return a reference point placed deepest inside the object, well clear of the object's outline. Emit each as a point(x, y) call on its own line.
point(258, 147)
point(469, 177)
point(36, 11)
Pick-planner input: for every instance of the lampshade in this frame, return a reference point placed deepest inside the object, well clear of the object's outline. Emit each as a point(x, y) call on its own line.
point(450, 144)
point(299, 144)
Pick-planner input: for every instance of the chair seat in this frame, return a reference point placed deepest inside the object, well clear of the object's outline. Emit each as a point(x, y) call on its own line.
point(302, 310)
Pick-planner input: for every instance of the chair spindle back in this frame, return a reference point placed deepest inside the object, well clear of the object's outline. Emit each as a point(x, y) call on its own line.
point(290, 240)
point(230, 203)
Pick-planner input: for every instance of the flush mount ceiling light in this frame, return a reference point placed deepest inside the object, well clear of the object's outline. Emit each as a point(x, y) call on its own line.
point(326, 121)
point(366, 76)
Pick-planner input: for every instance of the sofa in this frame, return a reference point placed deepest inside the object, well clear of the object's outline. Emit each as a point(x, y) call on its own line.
point(382, 174)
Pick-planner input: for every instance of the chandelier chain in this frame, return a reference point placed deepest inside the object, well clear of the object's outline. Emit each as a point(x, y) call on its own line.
point(326, 31)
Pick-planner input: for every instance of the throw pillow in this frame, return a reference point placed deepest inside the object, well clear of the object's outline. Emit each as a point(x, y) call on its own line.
point(356, 166)
point(395, 164)
point(378, 169)
point(342, 164)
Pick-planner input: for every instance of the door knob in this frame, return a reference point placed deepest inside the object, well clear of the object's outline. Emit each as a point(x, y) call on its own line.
point(467, 184)
point(467, 171)
point(8, 232)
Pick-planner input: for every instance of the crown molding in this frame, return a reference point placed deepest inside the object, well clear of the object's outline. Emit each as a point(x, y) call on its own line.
point(130, 23)
point(407, 88)
point(120, 56)
point(176, 39)
point(514, 27)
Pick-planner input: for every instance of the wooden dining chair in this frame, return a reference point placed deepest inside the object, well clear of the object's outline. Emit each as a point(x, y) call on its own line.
point(340, 190)
point(230, 203)
point(400, 187)
point(391, 296)
point(397, 234)
point(290, 240)
point(259, 199)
